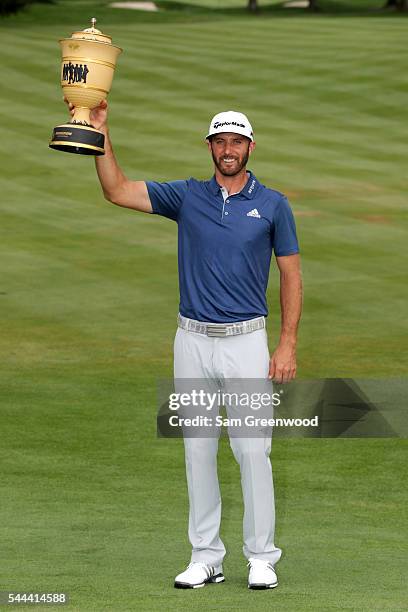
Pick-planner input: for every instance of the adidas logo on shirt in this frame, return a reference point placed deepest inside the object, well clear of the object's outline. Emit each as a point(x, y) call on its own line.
point(254, 213)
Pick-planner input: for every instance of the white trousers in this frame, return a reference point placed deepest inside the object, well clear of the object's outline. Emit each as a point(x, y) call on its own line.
point(197, 356)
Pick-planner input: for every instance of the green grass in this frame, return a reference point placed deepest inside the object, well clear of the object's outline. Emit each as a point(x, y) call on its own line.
point(91, 502)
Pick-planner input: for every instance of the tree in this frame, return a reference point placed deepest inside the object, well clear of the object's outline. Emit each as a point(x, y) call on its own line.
point(400, 5)
point(12, 6)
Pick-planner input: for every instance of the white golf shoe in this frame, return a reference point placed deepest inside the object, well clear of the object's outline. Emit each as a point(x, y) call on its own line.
point(261, 574)
point(198, 575)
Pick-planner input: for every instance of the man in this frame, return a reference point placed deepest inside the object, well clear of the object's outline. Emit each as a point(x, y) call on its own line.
point(228, 227)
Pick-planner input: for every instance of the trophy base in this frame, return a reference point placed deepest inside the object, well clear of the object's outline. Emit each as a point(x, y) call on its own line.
point(77, 138)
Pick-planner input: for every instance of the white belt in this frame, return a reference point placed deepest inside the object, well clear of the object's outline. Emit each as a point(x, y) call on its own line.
point(220, 330)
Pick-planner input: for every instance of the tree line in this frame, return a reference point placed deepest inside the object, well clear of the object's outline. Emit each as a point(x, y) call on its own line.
point(315, 5)
point(12, 6)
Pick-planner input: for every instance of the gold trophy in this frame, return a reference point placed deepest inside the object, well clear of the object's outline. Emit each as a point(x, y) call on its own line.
point(88, 63)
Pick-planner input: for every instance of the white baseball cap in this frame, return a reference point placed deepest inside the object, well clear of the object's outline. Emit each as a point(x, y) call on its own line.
point(231, 121)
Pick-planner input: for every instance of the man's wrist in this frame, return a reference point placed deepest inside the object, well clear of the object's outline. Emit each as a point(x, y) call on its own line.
point(289, 340)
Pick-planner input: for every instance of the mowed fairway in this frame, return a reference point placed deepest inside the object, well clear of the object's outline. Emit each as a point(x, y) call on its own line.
point(92, 503)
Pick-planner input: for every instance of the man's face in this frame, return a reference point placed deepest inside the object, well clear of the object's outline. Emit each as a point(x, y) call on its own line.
point(230, 152)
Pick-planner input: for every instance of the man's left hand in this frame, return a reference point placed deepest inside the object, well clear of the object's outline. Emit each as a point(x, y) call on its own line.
point(282, 364)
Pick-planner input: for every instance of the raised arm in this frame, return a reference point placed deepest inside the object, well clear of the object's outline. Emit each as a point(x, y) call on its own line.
point(116, 187)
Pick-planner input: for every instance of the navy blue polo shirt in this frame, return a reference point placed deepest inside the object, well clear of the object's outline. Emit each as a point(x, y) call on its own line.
point(225, 247)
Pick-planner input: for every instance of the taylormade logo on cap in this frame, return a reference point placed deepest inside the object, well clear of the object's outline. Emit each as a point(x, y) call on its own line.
point(217, 124)
point(231, 121)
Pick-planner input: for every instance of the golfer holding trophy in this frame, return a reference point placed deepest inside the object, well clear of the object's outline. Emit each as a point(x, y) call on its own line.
point(228, 228)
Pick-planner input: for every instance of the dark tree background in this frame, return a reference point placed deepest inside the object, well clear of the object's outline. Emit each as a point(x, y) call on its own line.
point(399, 5)
point(12, 6)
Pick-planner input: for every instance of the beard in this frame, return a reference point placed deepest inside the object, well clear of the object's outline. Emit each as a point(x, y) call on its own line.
point(231, 169)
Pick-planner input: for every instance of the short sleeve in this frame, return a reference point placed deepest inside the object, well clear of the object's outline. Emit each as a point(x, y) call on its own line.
point(167, 198)
point(284, 230)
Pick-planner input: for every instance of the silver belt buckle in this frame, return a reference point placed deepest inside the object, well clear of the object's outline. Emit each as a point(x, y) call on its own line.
point(216, 331)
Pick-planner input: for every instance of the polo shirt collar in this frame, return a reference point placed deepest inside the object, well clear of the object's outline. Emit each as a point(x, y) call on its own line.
point(248, 191)
point(251, 186)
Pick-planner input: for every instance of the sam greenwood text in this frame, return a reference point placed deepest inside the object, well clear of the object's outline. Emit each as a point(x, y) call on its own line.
point(249, 421)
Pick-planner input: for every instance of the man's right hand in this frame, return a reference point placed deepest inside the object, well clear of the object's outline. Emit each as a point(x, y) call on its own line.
point(99, 115)
point(116, 187)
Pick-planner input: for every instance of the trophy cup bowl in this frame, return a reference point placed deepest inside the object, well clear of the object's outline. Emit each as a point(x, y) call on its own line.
point(87, 67)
